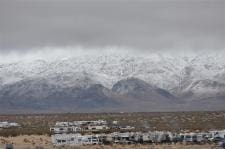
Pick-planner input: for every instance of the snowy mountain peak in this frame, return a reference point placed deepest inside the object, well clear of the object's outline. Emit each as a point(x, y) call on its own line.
point(163, 71)
point(153, 80)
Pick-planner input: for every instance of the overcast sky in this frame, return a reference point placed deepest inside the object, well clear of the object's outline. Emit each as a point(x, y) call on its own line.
point(158, 25)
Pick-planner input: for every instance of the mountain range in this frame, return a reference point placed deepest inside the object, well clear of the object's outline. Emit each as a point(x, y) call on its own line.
point(114, 83)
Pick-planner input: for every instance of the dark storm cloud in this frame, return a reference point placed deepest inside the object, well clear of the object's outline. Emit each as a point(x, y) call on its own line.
point(152, 24)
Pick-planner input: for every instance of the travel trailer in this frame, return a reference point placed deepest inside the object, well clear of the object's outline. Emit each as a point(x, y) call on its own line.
point(75, 139)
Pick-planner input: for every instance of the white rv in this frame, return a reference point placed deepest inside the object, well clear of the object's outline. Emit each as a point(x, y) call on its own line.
point(75, 139)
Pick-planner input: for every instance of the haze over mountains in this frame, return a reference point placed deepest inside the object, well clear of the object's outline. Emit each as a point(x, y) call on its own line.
point(114, 82)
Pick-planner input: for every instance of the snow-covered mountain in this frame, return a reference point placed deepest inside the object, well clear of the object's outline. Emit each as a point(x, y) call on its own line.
point(163, 71)
point(186, 77)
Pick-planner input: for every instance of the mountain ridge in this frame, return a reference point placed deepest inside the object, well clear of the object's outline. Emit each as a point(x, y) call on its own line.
point(188, 81)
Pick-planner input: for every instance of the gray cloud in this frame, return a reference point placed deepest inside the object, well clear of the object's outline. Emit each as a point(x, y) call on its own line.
point(153, 24)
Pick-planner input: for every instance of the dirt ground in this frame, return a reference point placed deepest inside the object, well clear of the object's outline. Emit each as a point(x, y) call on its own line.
point(38, 124)
point(44, 142)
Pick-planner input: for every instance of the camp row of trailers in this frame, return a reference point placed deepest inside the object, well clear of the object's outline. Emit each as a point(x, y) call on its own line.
point(69, 133)
point(87, 126)
point(137, 137)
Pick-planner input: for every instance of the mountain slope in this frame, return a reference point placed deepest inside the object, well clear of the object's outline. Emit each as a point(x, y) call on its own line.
point(115, 81)
point(201, 89)
point(138, 89)
point(39, 95)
